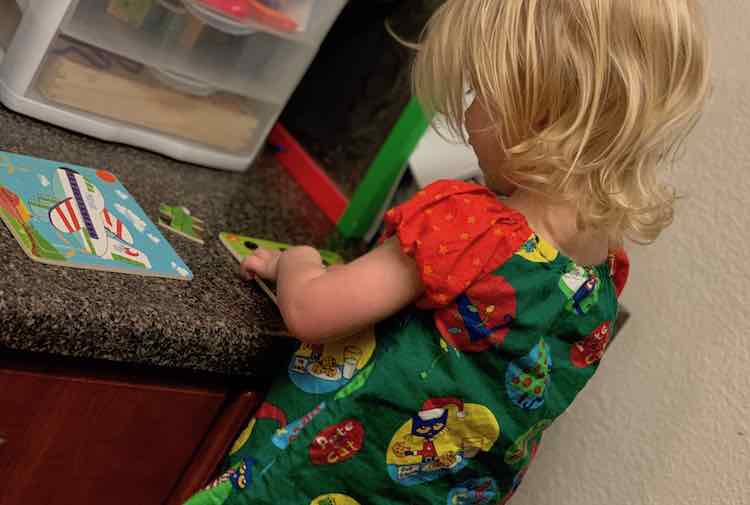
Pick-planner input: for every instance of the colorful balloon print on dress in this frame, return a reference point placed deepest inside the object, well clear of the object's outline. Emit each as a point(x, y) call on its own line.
point(323, 368)
point(591, 349)
point(473, 326)
point(581, 287)
point(526, 379)
point(334, 499)
point(537, 250)
point(440, 439)
point(474, 492)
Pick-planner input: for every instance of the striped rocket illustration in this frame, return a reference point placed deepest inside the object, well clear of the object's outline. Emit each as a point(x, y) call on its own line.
point(115, 226)
point(83, 212)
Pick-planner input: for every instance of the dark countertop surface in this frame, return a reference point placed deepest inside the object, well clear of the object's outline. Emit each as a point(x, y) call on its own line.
point(215, 323)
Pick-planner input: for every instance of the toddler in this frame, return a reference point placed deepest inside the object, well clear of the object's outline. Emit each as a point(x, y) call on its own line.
point(429, 368)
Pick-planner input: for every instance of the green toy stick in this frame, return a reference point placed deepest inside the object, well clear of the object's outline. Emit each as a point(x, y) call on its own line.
point(384, 172)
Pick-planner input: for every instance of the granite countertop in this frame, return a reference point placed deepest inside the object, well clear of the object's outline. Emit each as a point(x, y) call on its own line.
point(215, 323)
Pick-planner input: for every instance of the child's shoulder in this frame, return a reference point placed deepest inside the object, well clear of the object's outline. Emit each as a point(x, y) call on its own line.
point(447, 210)
point(445, 188)
point(456, 232)
point(451, 198)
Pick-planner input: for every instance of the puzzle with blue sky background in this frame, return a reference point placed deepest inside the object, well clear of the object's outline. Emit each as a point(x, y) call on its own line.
point(75, 216)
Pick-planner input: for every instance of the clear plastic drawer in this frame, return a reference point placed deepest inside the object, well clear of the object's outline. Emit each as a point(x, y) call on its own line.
point(195, 39)
point(89, 79)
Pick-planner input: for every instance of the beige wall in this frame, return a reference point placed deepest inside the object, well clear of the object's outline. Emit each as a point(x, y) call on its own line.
point(667, 418)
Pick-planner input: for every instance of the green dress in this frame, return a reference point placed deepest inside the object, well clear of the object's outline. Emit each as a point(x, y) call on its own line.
point(445, 402)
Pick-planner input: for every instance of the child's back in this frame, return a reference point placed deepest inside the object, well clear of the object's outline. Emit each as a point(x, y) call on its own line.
point(446, 399)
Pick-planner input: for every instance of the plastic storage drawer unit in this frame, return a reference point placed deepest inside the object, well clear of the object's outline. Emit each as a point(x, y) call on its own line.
point(202, 81)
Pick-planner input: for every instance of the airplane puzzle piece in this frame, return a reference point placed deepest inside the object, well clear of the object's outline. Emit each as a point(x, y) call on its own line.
point(82, 213)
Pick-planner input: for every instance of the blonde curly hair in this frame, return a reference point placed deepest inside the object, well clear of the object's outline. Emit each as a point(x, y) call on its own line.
point(589, 99)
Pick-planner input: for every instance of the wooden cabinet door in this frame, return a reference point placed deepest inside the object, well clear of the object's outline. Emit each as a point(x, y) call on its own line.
point(81, 440)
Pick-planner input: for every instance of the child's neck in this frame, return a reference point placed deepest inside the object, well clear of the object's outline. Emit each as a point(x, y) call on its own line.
point(556, 223)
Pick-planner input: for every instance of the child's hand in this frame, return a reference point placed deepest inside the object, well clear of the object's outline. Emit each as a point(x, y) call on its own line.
point(263, 263)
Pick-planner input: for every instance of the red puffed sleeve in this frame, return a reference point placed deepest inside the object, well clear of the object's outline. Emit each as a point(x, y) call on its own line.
point(457, 233)
point(619, 268)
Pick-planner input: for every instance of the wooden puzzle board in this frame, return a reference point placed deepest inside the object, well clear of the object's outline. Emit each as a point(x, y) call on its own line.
point(73, 216)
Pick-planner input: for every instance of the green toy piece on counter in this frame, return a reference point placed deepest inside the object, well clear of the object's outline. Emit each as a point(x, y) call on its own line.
point(241, 246)
point(368, 204)
point(181, 221)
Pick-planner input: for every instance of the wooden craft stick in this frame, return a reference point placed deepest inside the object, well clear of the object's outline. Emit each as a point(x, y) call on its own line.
point(265, 288)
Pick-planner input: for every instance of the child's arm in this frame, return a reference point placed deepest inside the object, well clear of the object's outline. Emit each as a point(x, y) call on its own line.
point(319, 305)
